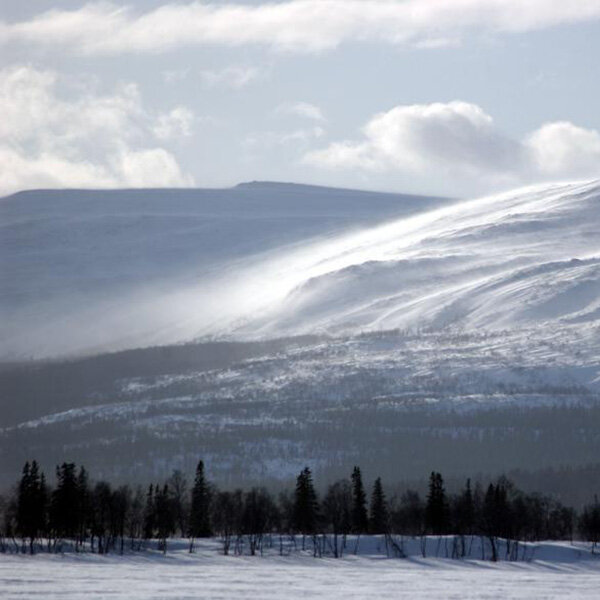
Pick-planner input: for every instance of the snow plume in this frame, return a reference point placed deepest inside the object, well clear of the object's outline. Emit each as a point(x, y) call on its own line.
point(461, 138)
point(88, 141)
point(527, 256)
point(295, 25)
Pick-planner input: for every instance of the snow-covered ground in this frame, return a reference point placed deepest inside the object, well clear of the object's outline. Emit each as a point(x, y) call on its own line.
point(558, 570)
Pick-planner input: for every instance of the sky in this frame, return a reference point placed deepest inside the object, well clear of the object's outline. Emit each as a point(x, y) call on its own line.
point(445, 97)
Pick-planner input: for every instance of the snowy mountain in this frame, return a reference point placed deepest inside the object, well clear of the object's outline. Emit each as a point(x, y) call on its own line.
point(463, 335)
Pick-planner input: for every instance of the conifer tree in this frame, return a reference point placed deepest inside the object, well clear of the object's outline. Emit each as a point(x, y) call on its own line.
point(305, 504)
point(379, 512)
point(360, 520)
point(63, 512)
point(31, 504)
point(200, 525)
point(436, 510)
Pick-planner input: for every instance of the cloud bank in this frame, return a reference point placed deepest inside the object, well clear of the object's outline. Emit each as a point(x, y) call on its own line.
point(460, 138)
point(86, 141)
point(295, 25)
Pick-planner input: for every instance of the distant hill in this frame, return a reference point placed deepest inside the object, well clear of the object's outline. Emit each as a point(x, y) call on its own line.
point(91, 270)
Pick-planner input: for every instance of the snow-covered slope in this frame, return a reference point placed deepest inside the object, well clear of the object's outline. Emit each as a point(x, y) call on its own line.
point(528, 257)
point(103, 270)
point(106, 270)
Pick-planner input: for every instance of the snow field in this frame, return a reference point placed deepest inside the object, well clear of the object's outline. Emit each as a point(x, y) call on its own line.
point(561, 571)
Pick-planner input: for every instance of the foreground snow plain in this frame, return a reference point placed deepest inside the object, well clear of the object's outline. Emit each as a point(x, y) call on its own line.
point(556, 570)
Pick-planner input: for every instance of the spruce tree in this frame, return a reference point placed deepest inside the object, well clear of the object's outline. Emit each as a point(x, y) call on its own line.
point(32, 503)
point(436, 510)
point(305, 504)
point(200, 525)
point(379, 512)
point(360, 521)
point(63, 511)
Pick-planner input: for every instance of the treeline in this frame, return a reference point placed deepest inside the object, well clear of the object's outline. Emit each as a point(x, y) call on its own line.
point(81, 515)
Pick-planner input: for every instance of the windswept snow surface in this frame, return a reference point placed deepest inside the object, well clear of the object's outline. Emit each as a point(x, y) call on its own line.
point(96, 271)
point(104, 270)
point(530, 256)
point(560, 571)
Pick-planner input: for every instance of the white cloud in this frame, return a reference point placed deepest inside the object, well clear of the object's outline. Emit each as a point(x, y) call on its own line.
point(301, 109)
point(299, 25)
point(562, 148)
point(459, 138)
point(89, 141)
point(153, 167)
point(174, 124)
point(230, 77)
